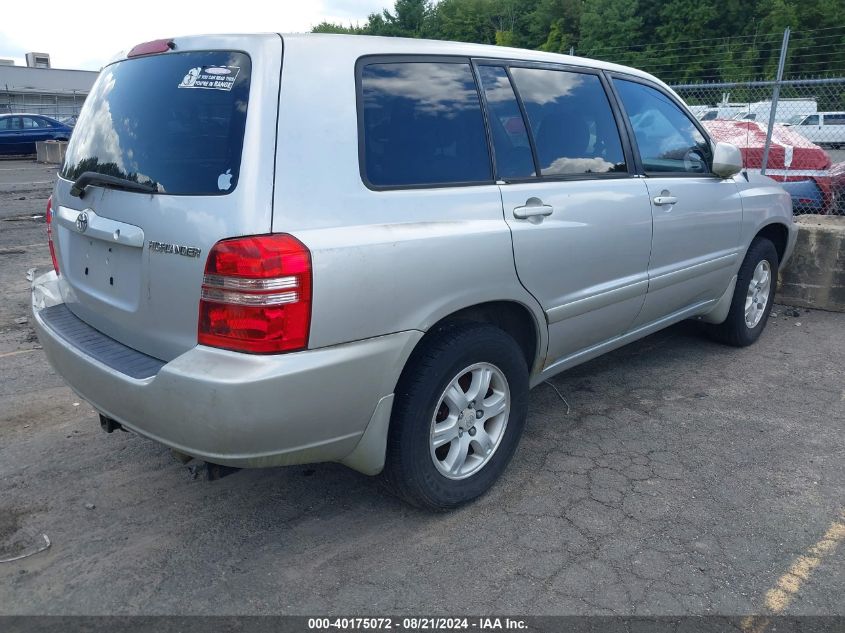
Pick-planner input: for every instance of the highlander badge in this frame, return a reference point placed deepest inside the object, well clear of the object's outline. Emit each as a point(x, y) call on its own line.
point(176, 249)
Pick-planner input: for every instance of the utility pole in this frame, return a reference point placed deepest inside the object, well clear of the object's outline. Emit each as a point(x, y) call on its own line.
point(775, 96)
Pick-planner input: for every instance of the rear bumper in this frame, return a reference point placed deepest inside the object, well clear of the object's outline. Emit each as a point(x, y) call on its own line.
point(240, 409)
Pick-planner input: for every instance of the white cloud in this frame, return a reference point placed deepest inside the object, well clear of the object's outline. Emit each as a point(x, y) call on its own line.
point(88, 34)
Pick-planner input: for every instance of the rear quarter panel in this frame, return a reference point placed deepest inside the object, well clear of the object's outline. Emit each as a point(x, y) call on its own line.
point(384, 261)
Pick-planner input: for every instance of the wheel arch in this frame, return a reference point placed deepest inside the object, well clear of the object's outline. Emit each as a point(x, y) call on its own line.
point(514, 317)
point(778, 234)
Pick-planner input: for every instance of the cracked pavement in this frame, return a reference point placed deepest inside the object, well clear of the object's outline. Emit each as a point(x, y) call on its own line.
point(685, 479)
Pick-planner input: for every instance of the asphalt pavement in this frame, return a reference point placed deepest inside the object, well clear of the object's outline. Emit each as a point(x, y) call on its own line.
point(680, 477)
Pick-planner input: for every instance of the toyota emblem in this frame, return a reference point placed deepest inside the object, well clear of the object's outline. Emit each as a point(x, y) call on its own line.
point(82, 222)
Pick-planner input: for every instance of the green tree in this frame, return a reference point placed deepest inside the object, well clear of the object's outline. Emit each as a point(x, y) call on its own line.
point(610, 29)
point(466, 21)
point(329, 27)
point(554, 25)
point(677, 40)
point(408, 19)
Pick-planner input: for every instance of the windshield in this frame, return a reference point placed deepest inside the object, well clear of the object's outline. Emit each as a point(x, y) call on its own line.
point(174, 121)
point(795, 120)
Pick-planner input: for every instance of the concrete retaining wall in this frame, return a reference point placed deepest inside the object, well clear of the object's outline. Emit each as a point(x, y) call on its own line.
point(50, 151)
point(815, 276)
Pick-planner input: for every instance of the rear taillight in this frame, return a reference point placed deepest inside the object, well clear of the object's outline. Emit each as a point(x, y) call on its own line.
point(50, 234)
point(256, 295)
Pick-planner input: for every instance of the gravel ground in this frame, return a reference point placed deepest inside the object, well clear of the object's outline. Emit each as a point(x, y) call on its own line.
point(686, 478)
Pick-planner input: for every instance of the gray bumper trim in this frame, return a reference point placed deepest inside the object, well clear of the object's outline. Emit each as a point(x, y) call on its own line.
point(98, 346)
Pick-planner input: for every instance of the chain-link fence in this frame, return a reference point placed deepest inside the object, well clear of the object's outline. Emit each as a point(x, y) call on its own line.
point(779, 97)
point(796, 137)
point(63, 106)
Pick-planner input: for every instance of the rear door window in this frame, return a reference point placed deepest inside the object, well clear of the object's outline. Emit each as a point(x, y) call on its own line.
point(667, 139)
point(571, 121)
point(422, 125)
point(507, 127)
point(175, 121)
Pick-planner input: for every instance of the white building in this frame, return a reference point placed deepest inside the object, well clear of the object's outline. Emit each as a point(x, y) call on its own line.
point(41, 89)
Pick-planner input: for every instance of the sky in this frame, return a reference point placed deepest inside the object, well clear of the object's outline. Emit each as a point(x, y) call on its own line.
point(87, 34)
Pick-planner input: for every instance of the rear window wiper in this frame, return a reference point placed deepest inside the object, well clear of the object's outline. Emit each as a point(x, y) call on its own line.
point(104, 180)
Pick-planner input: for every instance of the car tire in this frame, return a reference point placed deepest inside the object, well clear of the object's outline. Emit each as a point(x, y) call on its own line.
point(439, 455)
point(754, 295)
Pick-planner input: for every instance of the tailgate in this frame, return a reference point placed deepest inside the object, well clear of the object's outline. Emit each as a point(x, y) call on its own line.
point(196, 125)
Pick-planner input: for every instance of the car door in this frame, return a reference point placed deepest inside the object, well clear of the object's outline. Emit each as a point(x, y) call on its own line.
point(833, 130)
point(811, 127)
point(697, 215)
point(33, 131)
point(10, 135)
point(580, 220)
point(7, 137)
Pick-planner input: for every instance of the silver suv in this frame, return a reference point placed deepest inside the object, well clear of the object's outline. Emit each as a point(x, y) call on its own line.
point(277, 250)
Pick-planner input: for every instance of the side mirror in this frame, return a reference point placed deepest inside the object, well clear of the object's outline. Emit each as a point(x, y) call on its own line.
point(727, 160)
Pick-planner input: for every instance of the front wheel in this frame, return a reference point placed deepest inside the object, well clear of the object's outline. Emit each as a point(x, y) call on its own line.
point(753, 297)
point(459, 412)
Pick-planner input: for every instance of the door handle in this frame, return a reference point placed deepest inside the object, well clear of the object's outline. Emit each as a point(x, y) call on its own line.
point(534, 208)
point(661, 201)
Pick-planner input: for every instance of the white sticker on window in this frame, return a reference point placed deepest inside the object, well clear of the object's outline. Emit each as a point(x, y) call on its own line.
point(211, 77)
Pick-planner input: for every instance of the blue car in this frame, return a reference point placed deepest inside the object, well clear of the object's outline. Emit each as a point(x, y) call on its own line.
point(20, 132)
point(806, 196)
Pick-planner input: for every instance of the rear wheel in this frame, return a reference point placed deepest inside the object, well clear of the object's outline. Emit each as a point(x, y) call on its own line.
point(753, 297)
point(459, 412)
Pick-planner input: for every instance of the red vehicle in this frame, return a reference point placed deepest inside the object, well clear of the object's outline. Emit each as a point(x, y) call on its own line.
point(837, 185)
point(792, 158)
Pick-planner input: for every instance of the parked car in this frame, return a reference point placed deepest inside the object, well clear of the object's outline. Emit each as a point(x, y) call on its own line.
point(787, 109)
point(806, 196)
point(792, 158)
point(826, 129)
point(419, 233)
point(720, 111)
point(837, 186)
point(20, 132)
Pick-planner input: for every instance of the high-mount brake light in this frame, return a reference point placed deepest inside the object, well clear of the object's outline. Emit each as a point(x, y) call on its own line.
point(151, 48)
point(256, 295)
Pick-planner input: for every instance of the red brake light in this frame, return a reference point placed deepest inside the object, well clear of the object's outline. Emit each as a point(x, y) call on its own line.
point(149, 48)
point(256, 295)
point(49, 217)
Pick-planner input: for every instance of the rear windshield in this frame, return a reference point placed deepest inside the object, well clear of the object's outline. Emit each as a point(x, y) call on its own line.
point(175, 121)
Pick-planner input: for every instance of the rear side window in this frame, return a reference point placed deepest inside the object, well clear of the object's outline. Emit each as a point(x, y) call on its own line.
point(834, 119)
point(32, 123)
point(571, 121)
point(422, 125)
point(174, 120)
point(510, 138)
point(667, 139)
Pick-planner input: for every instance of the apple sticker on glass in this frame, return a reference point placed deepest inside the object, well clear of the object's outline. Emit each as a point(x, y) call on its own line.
point(224, 180)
